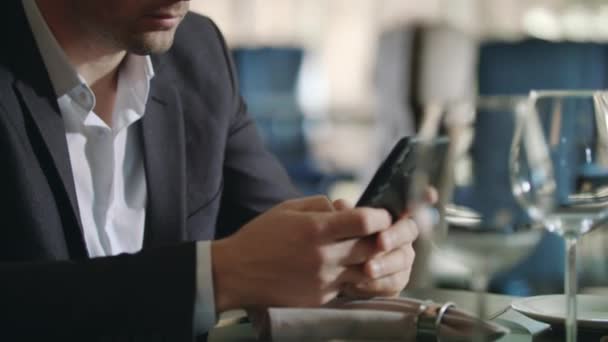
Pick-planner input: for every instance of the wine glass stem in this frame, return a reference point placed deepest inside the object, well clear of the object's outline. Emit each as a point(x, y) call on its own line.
point(479, 284)
point(570, 287)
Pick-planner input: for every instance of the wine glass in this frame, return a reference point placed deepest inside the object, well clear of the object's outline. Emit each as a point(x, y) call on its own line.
point(560, 172)
point(463, 153)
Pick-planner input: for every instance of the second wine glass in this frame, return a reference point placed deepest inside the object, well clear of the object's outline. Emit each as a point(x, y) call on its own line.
point(464, 154)
point(561, 174)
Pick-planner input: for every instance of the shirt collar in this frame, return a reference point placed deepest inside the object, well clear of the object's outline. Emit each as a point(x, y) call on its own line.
point(62, 74)
point(133, 89)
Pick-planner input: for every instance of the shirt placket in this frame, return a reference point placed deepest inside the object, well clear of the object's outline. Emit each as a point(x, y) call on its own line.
point(106, 185)
point(100, 153)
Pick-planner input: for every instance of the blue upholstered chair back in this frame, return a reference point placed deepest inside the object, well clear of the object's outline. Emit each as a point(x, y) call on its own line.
point(268, 78)
point(517, 68)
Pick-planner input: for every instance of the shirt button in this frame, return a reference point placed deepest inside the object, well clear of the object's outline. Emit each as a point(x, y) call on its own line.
point(84, 98)
point(100, 132)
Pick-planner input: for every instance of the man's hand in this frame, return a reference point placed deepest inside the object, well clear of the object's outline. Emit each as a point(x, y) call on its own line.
point(304, 252)
point(389, 271)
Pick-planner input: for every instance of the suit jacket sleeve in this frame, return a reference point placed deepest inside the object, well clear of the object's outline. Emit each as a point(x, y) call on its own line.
point(129, 295)
point(254, 180)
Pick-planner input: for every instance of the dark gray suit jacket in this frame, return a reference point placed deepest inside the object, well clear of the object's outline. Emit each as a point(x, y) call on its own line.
point(207, 171)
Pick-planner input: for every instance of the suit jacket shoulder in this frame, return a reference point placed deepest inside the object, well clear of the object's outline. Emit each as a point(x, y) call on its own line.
point(235, 170)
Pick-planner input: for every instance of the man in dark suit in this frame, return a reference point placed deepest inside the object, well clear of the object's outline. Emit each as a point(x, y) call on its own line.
point(120, 169)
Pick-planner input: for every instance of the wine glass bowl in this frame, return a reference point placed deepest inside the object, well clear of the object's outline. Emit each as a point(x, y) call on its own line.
point(480, 223)
point(559, 171)
point(573, 147)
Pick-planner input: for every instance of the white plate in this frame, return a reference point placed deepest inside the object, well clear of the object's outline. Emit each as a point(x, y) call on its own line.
point(592, 310)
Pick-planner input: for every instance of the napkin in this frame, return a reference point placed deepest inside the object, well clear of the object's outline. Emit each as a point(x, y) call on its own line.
point(393, 319)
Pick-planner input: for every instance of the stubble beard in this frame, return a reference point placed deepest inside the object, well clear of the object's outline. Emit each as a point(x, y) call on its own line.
point(144, 43)
point(125, 39)
point(150, 42)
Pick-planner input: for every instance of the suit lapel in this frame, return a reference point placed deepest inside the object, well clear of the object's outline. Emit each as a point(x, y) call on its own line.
point(164, 155)
point(49, 124)
point(45, 128)
point(163, 144)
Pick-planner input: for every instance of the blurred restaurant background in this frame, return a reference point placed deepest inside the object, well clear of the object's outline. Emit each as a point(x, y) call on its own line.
point(333, 84)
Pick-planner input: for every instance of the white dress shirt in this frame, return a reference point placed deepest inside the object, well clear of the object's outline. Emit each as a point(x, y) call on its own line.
point(107, 160)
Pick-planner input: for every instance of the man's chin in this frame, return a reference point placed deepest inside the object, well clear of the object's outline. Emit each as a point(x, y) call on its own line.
point(151, 43)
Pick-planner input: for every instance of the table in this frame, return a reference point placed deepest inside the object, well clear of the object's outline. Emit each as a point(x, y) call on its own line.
point(233, 326)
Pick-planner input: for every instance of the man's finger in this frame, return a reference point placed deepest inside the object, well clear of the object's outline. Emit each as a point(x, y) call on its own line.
point(431, 195)
point(393, 262)
point(342, 204)
point(388, 286)
point(404, 231)
point(352, 275)
point(353, 251)
point(356, 223)
point(313, 203)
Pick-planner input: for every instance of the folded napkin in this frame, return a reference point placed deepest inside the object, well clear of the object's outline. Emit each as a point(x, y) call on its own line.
point(396, 319)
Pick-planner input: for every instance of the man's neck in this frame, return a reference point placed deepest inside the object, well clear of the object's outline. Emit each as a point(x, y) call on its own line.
point(96, 62)
point(93, 60)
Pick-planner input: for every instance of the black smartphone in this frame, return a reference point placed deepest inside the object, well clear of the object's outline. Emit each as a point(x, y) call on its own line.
point(390, 187)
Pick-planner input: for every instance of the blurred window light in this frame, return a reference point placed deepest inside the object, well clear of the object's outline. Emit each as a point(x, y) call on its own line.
point(542, 23)
point(577, 23)
point(462, 14)
point(313, 88)
point(600, 23)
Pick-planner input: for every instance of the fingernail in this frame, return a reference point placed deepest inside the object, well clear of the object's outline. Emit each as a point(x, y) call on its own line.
point(386, 241)
point(376, 268)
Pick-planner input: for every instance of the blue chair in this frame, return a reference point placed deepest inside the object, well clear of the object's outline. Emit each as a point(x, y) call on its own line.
point(516, 68)
point(268, 78)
